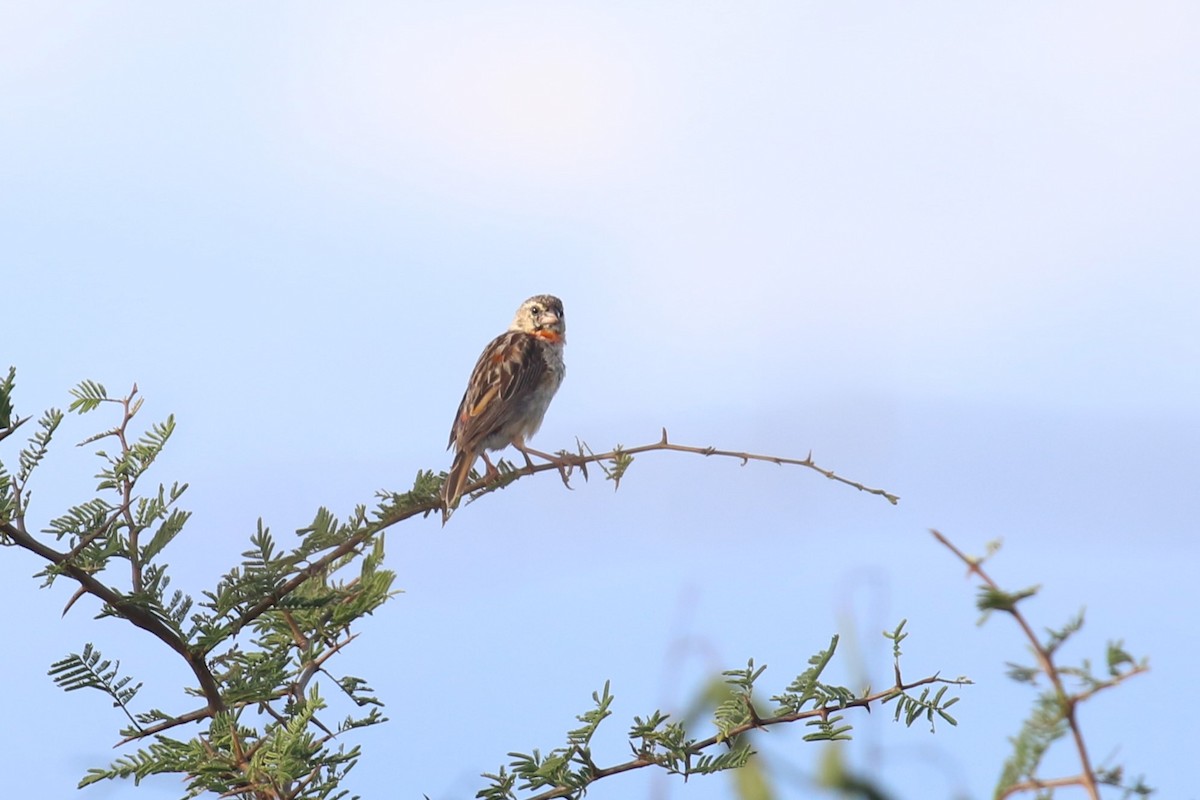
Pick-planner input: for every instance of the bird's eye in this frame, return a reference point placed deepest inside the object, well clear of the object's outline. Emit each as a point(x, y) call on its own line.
point(536, 310)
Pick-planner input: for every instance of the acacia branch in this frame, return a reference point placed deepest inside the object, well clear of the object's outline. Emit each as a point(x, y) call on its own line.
point(130, 610)
point(296, 690)
point(1033, 784)
point(1068, 702)
point(697, 747)
point(12, 428)
point(315, 568)
point(130, 408)
point(317, 664)
point(582, 457)
point(1136, 669)
point(564, 463)
point(183, 719)
point(807, 461)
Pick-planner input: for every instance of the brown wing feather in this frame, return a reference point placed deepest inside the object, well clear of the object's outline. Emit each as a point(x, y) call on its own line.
point(508, 370)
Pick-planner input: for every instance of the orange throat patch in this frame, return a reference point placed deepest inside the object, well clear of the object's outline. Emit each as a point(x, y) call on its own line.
point(549, 336)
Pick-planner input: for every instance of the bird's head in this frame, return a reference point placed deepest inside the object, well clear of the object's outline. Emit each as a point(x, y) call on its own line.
point(542, 316)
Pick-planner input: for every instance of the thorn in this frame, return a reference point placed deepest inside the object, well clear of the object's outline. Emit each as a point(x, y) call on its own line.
point(664, 439)
point(82, 591)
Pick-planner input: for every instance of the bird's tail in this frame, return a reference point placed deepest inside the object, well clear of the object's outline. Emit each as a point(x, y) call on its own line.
point(456, 480)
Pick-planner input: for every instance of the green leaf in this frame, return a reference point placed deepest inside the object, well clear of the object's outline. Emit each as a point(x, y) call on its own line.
point(1116, 656)
point(88, 397)
point(993, 599)
point(6, 408)
point(86, 671)
point(39, 443)
point(166, 532)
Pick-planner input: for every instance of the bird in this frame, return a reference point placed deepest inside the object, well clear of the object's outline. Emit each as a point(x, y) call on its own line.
point(507, 395)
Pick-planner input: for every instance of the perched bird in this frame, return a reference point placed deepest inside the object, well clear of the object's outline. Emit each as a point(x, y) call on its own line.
point(508, 392)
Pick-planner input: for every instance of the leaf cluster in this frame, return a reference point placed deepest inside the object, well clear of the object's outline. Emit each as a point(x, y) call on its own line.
point(1053, 716)
point(656, 740)
point(270, 714)
point(259, 643)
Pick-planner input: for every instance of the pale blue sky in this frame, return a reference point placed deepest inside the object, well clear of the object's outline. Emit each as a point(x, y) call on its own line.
point(950, 248)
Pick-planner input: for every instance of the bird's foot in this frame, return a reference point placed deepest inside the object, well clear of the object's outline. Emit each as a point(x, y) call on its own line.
point(564, 462)
point(492, 473)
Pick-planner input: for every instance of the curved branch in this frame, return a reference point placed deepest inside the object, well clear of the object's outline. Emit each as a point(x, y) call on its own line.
point(128, 609)
point(746, 457)
point(757, 722)
point(318, 567)
point(11, 429)
point(1087, 779)
point(1037, 783)
point(567, 460)
point(195, 658)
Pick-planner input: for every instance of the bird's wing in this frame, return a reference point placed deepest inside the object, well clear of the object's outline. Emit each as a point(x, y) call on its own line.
point(508, 370)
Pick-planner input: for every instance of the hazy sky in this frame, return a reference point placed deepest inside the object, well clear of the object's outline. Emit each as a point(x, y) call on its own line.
point(952, 249)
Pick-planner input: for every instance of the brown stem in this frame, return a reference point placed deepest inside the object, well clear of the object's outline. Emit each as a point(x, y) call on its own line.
point(1087, 693)
point(1046, 662)
point(135, 562)
point(12, 428)
point(173, 722)
point(196, 657)
point(296, 690)
point(1033, 784)
point(755, 722)
point(131, 611)
point(580, 459)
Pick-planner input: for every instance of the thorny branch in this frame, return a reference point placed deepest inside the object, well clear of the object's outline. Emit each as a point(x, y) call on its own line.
point(131, 611)
point(130, 407)
point(565, 461)
point(124, 510)
point(1069, 702)
point(12, 428)
point(196, 657)
point(755, 722)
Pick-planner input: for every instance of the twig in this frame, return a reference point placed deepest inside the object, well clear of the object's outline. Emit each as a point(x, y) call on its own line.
point(129, 610)
point(1087, 778)
point(130, 409)
point(183, 719)
point(196, 657)
point(579, 460)
point(755, 722)
point(1136, 669)
point(747, 457)
point(1034, 784)
point(11, 429)
point(315, 665)
point(570, 459)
